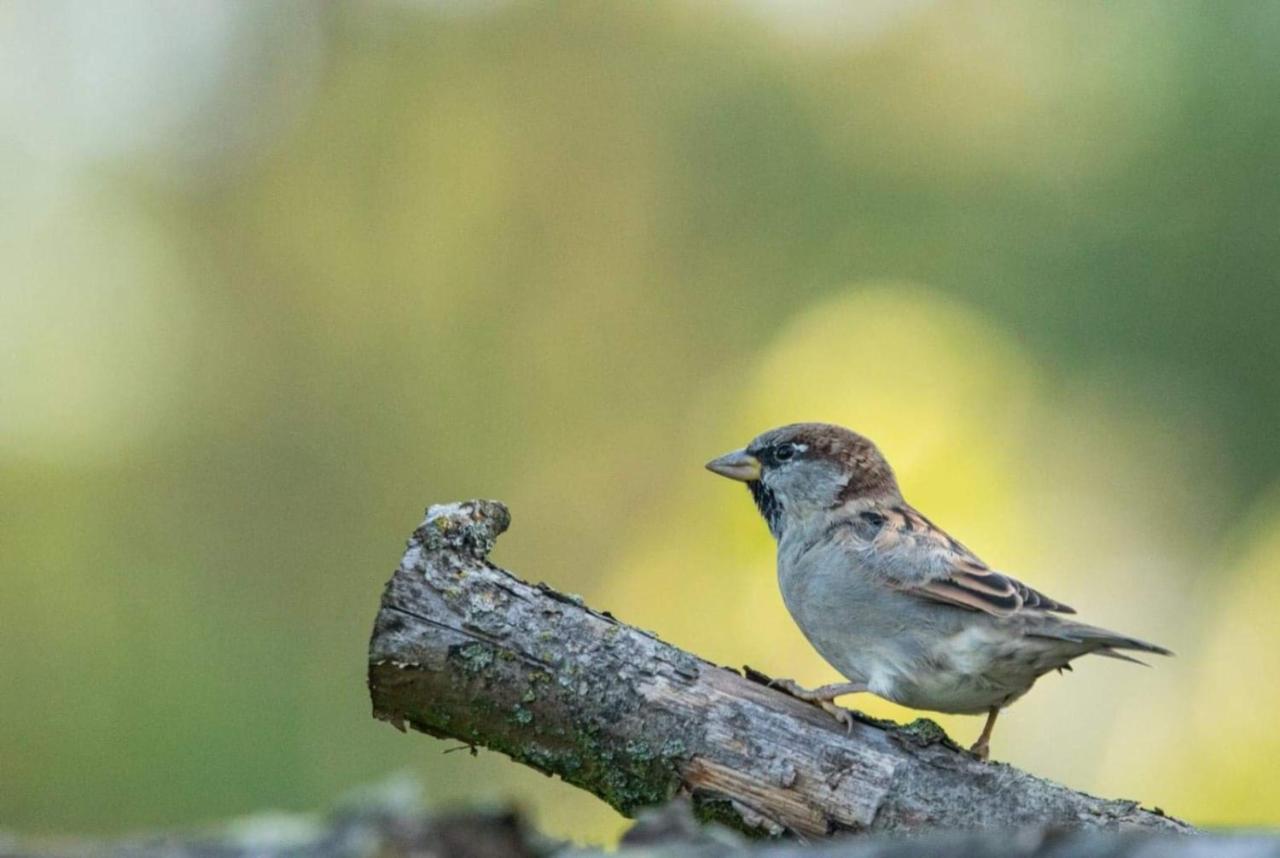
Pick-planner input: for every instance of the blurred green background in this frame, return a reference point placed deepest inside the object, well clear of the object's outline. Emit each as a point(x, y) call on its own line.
point(276, 275)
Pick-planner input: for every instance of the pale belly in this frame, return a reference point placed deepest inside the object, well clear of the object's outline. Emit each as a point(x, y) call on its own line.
point(969, 672)
point(920, 655)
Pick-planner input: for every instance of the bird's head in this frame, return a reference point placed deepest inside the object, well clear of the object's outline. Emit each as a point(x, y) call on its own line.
point(807, 469)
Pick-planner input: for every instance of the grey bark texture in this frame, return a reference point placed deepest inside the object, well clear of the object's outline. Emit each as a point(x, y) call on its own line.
point(465, 650)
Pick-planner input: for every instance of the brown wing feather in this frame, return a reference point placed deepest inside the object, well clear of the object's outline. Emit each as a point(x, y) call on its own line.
point(955, 575)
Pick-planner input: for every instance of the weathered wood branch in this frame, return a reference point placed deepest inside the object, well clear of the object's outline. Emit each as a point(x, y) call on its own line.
point(465, 650)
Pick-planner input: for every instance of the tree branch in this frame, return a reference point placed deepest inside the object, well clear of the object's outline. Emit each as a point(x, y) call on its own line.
point(465, 650)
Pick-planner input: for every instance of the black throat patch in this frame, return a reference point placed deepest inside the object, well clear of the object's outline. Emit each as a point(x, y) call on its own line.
point(769, 505)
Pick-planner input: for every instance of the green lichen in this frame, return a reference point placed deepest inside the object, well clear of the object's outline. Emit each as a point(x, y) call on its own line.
point(629, 778)
point(639, 751)
point(439, 717)
point(721, 811)
point(922, 732)
point(588, 752)
point(476, 657)
point(673, 749)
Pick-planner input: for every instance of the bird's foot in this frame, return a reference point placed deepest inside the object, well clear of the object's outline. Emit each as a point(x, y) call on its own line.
point(823, 696)
point(981, 750)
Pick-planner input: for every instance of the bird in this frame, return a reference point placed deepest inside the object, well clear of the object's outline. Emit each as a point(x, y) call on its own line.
point(894, 603)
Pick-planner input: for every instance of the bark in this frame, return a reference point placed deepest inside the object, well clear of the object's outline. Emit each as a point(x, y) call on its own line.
point(465, 650)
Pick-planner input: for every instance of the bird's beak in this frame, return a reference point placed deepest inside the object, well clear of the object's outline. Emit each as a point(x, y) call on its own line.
point(738, 465)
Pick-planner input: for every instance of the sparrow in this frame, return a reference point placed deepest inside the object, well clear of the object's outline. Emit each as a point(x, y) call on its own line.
point(889, 599)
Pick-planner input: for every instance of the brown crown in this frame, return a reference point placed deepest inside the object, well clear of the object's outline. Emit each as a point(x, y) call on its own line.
point(869, 472)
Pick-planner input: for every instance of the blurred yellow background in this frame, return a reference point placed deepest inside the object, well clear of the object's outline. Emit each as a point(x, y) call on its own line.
point(278, 275)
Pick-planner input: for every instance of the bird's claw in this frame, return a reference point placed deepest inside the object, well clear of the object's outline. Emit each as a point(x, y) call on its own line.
point(981, 750)
point(842, 715)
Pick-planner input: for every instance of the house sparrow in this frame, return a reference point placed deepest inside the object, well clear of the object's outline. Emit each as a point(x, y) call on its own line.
point(891, 601)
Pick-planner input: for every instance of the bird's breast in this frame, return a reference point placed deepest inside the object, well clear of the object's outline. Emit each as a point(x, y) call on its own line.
point(850, 618)
point(908, 650)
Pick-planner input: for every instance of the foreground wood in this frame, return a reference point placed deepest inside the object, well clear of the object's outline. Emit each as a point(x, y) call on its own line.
point(462, 649)
point(390, 822)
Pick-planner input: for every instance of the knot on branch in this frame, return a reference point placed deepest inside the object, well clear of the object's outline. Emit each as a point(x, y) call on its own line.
point(469, 527)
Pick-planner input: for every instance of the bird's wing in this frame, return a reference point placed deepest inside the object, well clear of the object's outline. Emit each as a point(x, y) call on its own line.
point(916, 556)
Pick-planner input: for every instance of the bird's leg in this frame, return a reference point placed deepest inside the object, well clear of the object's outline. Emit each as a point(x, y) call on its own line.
point(982, 748)
point(823, 696)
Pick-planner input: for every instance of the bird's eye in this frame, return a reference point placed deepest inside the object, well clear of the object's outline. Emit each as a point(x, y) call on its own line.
point(784, 451)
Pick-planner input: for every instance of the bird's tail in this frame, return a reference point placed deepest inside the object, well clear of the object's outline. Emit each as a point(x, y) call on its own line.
point(1097, 641)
